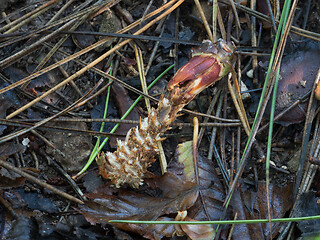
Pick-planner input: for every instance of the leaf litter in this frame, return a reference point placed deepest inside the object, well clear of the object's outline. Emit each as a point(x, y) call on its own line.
point(173, 196)
point(178, 193)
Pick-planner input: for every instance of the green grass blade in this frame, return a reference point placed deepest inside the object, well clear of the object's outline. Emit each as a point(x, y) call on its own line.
point(218, 222)
point(283, 19)
point(273, 103)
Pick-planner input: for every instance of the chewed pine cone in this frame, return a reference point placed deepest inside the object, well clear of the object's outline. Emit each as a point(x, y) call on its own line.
point(130, 162)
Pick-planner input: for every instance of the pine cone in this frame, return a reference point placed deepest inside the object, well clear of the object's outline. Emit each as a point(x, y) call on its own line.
point(130, 162)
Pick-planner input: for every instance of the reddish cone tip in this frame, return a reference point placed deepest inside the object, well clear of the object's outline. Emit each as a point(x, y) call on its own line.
point(210, 62)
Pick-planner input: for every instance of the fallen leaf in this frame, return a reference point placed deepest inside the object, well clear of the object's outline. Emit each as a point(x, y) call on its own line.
point(10, 179)
point(9, 148)
point(155, 231)
point(179, 193)
point(212, 191)
point(307, 206)
point(4, 106)
point(82, 40)
point(297, 74)
point(197, 231)
point(38, 85)
point(19, 198)
point(123, 103)
point(22, 228)
point(177, 196)
point(253, 205)
point(130, 205)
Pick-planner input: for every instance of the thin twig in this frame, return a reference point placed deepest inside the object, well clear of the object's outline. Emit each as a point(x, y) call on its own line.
point(240, 110)
point(269, 88)
point(78, 103)
point(27, 17)
point(214, 19)
point(162, 157)
point(28, 49)
point(209, 111)
point(66, 175)
point(83, 51)
point(96, 61)
point(39, 182)
point(235, 13)
point(261, 16)
point(204, 20)
point(254, 41)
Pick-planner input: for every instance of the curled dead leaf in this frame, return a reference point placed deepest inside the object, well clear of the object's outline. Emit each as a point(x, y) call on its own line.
point(297, 74)
point(253, 205)
point(177, 196)
point(197, 231)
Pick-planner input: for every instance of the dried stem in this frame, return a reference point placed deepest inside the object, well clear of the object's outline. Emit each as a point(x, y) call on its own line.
point(39, 182)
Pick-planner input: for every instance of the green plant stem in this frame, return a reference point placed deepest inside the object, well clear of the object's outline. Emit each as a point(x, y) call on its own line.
point(268, 157)
point(252, 221)
point(104, 116)
point(266, 85)
point(273, 104)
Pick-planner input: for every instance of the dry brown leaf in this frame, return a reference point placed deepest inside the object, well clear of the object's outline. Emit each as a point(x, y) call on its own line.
point(9, 148)
point(297, 75)
point(123, 103)
point(211, 188)
point(197, 231)
point(177, 196)
point(281, 199)
point(83, 41)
